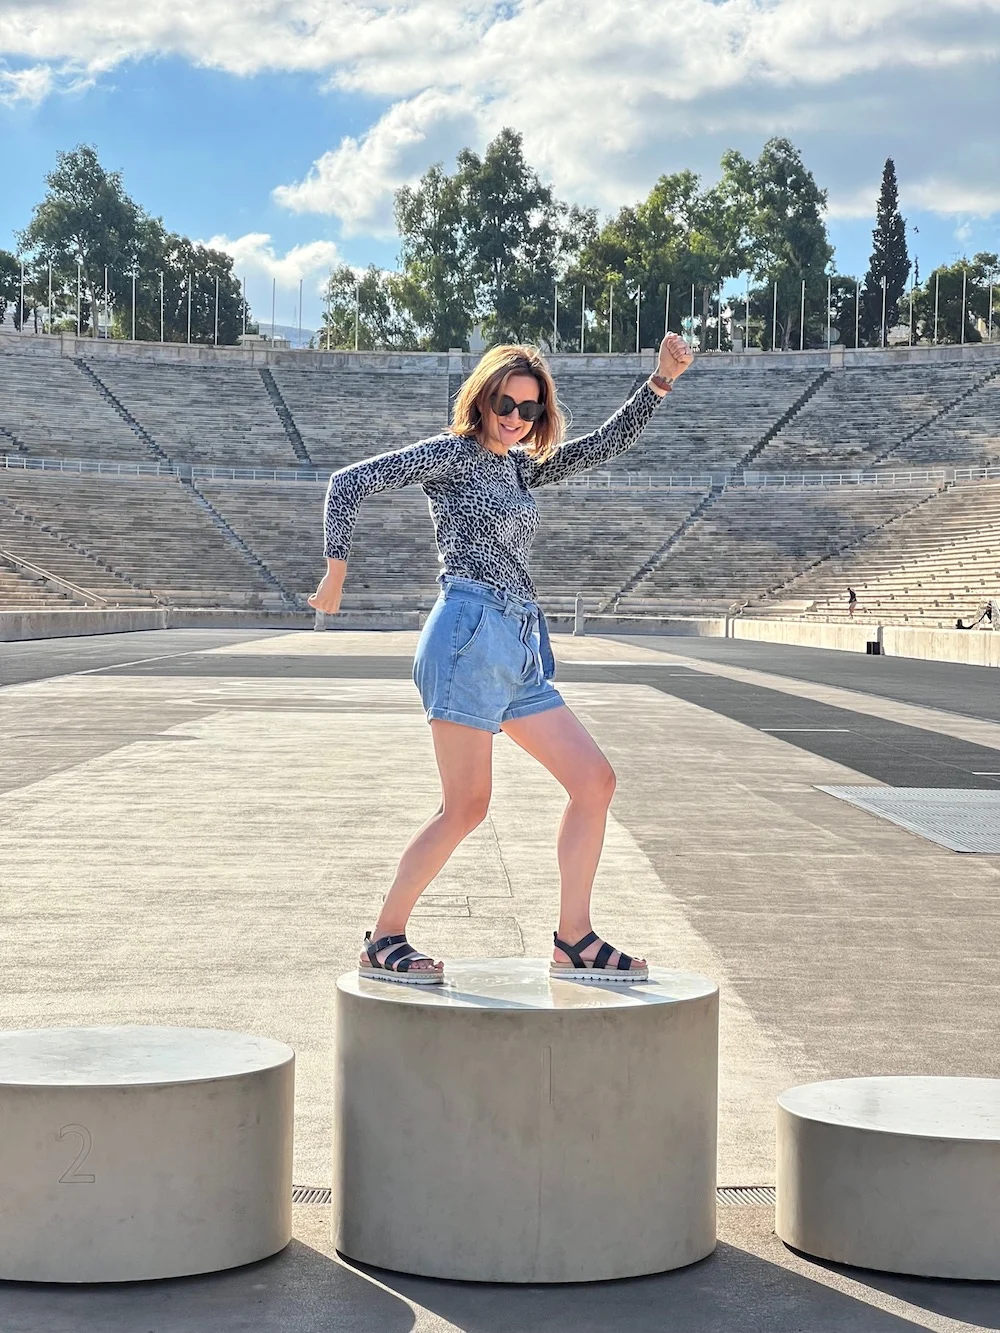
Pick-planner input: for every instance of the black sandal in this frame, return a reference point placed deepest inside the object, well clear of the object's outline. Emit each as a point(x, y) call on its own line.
point(398, 964)
point(580, 969)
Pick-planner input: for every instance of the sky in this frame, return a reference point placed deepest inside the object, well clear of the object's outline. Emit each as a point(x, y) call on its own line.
point(279, 129)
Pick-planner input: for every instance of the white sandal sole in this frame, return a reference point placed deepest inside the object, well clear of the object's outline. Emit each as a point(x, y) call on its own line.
point(422, 977)
point(570, 973)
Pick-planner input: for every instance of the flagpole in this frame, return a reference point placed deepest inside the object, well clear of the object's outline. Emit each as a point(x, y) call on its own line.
point(216, 335)
point(965, 279)
point(666, 313)
point(802, 319)
point(133, 305)
point(583, 314)
point(937, 299)
point(829, 303)
point(611, 313)
point(774, 321)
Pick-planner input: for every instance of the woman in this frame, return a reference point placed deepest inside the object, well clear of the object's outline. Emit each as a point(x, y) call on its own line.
point(483, 662)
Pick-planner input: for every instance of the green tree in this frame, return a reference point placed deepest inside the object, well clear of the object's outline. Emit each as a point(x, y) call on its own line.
point(889, 264)
point(372, 299)
point(86, 218)
point(787, 242)
point(511, 240)
point(435, 288)
point(10, 277)
point(945, 288)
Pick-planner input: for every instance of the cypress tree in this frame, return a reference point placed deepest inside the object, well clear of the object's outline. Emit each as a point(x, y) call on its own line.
point(889, 260)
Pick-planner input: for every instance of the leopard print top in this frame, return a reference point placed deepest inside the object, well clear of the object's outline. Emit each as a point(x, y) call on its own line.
point(484, 513)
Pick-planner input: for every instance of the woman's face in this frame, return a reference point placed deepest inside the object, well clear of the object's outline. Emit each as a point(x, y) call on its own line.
point(500, 433)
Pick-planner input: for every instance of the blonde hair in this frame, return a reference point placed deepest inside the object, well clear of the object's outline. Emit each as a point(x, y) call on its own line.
point(493, 368)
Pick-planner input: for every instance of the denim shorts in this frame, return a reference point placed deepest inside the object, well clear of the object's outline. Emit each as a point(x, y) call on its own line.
point(484, 657)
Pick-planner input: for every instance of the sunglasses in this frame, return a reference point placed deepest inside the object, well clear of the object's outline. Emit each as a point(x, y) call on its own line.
point(529, 410)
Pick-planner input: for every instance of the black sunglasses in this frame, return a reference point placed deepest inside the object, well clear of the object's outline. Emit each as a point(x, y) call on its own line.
point(529, 410)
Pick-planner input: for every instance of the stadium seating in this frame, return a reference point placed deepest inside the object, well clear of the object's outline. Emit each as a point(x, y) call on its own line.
point(150, 530)
point(25, 537)
point(712, 418)
point(860, 412)
point(753, 540)
point(933, 564)
point(343, 417)
point(968, 434)
point(21, 592)
point(201, 414)
point(47, 404)
point(131, 539)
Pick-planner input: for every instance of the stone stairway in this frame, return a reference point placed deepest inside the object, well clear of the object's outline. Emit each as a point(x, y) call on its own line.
point(783, 421)
point(134, 426)
point(285, 417)
point(238, 543)
point(25, 535)
point(985, 391)
point(611, 603)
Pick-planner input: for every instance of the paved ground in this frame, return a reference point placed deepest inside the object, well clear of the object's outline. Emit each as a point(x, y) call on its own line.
point(198, 829)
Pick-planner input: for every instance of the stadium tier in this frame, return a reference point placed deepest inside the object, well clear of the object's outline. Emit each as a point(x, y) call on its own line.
point(749, 542)
point(200, 414)
point(933, 563)
point(342, 418)
point(858, 414)
point(707, 541)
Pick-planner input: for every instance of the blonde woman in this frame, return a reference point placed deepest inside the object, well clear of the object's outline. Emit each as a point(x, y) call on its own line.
point(484, 662)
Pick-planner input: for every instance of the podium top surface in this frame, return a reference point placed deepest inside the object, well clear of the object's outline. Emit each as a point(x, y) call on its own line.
point(524, 984)
point(924, 1107)
point(129, 1056)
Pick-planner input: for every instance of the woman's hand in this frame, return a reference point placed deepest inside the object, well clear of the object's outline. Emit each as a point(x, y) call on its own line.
point(675, 356)
point(326, 598)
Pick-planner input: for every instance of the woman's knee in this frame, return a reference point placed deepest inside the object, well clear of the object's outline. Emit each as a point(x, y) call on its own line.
point(467, 811)
point(595, 783)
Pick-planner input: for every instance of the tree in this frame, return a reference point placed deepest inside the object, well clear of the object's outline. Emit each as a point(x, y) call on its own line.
point(86, 218)
point(787, 239)
point(511, 240)
point(371, 299)
point(890, 263)
point(435, 288)
point(944, 288)
point(10, 280)
point(88, 225)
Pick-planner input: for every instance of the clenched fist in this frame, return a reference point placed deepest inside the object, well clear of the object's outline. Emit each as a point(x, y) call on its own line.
point(675, 356)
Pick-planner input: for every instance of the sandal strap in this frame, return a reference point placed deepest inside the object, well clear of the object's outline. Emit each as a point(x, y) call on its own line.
point(572, 951)
point(600, 959)
point(373, 947)
point(400, 959)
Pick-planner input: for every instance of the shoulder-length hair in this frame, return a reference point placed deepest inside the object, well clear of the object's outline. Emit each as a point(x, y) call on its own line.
point(493, 368)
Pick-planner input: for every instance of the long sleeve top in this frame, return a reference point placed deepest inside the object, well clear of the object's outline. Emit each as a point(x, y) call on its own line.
point(484, 514)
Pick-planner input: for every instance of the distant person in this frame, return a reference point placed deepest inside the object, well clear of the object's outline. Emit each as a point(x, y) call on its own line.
point(852, 601)
point(958, 623)
point(484, 661)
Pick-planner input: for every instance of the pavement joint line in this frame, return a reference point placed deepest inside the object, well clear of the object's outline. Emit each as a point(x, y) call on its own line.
point(845, 731)
point(90, 671)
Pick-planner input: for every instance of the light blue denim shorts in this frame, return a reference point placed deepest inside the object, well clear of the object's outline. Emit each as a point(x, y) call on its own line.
point(484, 657)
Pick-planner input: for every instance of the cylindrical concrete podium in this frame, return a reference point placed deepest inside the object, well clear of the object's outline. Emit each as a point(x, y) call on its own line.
point(508, 1128)
point(142, 1152)
point(898, 1174)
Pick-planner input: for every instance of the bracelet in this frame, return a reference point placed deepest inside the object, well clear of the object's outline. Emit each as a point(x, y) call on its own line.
point(662, 382)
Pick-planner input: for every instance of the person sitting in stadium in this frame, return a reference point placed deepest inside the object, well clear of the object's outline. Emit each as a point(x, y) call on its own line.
point(484, 661)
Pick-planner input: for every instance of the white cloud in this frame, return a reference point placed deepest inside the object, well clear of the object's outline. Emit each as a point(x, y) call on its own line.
point(254, 254)
point(608, 93)
point(25, 85)
point(355, 181)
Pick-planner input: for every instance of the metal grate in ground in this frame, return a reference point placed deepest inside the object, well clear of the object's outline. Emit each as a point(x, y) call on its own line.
point(725, 1194)
point(962, 819)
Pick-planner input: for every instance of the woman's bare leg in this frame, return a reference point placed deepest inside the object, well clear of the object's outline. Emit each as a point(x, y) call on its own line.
point(465, 762)
point(562, 744)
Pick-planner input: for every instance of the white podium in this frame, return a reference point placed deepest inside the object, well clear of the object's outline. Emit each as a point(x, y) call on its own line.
point(897, 1174)
point(142, 1152)
point(508, 1128)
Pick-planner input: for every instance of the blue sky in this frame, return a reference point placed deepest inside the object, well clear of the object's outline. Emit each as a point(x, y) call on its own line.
point(280, 130)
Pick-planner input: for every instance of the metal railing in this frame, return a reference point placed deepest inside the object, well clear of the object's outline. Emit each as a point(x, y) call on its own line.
point(591, 481)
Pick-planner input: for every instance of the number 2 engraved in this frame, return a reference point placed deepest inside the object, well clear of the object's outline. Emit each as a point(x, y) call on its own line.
point(72, 1175)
